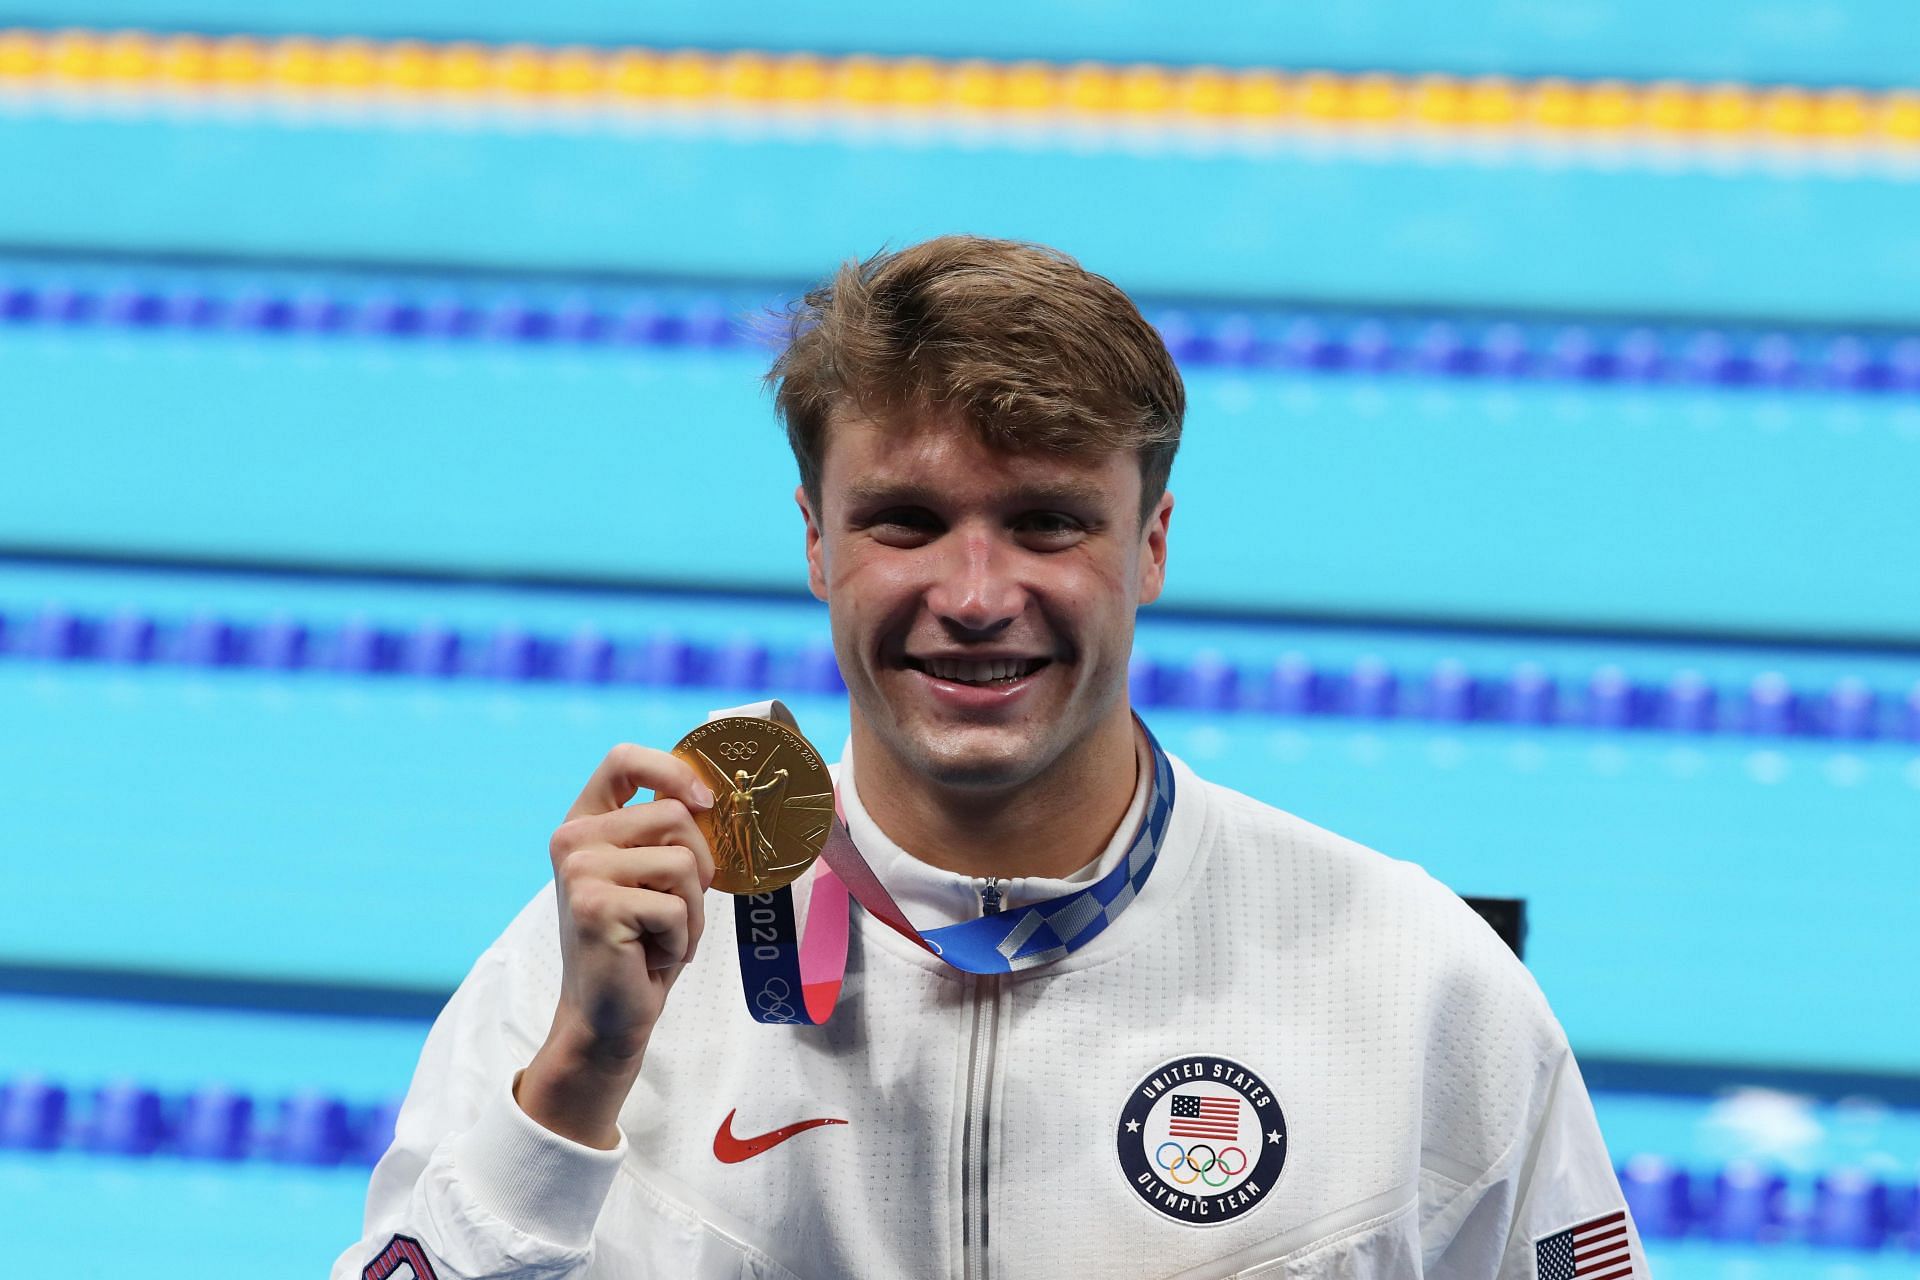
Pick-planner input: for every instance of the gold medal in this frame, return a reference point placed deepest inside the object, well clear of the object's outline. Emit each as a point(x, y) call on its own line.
point(773, 801)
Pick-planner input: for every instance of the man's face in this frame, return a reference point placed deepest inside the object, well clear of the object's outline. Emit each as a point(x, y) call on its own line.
point(982, 602)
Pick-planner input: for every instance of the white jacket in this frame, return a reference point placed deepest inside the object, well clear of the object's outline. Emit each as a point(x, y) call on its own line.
point(1403, 1101)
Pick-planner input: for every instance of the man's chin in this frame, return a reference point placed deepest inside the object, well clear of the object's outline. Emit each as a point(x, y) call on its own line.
point(977, 758)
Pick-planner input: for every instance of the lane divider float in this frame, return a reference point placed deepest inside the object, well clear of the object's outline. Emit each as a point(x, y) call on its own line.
point(101, 62)
point(1291, 684)
point(1276, 339)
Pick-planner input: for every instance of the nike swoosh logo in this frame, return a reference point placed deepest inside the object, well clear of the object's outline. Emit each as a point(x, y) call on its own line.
point(728, 1149)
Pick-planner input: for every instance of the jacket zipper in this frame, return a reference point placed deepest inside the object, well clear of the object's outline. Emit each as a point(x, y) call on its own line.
point(980, 1074)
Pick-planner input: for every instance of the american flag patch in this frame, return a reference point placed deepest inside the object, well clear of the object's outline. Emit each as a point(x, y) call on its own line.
point(1596, 1250)
point(1197, 1116)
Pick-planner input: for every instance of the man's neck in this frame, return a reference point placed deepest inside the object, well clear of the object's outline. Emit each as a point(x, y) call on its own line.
point(1051, 826)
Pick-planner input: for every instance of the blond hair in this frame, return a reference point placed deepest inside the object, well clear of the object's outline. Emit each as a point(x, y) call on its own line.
point(1032, 350)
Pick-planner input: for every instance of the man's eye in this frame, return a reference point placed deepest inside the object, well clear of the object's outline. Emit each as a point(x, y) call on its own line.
point(910, 520)
point(1051, 525)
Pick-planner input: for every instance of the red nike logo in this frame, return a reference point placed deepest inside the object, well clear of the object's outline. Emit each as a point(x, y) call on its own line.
point(728, 1149)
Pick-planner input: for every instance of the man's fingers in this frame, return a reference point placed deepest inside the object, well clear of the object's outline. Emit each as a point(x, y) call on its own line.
point(702, 856)
point(629, 768)
point(664, 924)
point(599, 875)
point(637, 826)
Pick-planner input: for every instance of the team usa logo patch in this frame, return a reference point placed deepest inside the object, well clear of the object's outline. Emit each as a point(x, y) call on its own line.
point(1202, 1140)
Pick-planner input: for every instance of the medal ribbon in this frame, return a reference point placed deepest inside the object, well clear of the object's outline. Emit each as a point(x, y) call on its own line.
point(794, 977)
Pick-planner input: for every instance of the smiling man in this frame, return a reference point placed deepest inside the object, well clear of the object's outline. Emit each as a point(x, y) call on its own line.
point(1100, 1017)
point(982, 611)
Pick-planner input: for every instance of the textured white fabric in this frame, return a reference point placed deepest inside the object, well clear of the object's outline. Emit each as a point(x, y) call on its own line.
point(520, 1172)
point(1437, 1124)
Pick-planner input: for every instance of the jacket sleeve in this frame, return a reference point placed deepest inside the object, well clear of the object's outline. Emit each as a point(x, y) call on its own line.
point(472, 1186)
point(1552, 1196)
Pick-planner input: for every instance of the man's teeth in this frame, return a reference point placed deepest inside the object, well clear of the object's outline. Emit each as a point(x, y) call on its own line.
point(963, 671)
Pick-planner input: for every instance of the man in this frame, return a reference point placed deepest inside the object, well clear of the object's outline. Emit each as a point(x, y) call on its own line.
point(1222, 1041)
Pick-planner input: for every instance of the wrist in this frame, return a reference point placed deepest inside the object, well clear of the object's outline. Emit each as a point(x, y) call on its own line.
point(576, 1085)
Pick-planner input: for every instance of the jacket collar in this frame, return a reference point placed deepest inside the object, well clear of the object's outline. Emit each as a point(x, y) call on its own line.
point(933, 897)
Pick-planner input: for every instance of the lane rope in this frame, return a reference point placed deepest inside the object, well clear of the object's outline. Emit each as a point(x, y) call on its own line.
point(1610, 697)
point(99, 61)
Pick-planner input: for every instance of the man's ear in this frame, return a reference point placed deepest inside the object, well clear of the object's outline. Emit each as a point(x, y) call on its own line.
point(816, 554)
point(1153, 552)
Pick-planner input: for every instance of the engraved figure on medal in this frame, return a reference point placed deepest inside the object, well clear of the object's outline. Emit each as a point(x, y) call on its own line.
point(743, 812)
point(762, 831)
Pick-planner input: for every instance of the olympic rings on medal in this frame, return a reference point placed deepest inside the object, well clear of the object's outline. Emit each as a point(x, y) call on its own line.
point(1201, 1169)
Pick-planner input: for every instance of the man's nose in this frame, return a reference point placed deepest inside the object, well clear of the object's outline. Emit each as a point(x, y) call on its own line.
point(976, 586)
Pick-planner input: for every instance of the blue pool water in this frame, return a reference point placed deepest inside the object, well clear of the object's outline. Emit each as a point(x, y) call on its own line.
point(478, 460)
point(1721, 916)
point(1766, 854)
point(1825, 41)
point(1289, 221)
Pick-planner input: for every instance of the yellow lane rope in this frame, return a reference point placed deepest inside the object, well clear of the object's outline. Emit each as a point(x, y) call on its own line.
point(84, 60)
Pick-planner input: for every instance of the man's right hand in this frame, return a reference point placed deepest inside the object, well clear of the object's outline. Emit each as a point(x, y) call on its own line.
point(631, 881)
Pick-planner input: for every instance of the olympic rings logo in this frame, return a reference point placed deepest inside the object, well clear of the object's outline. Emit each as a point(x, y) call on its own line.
point(1199, 1169)
point(772, 1001)
point(735, 752)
